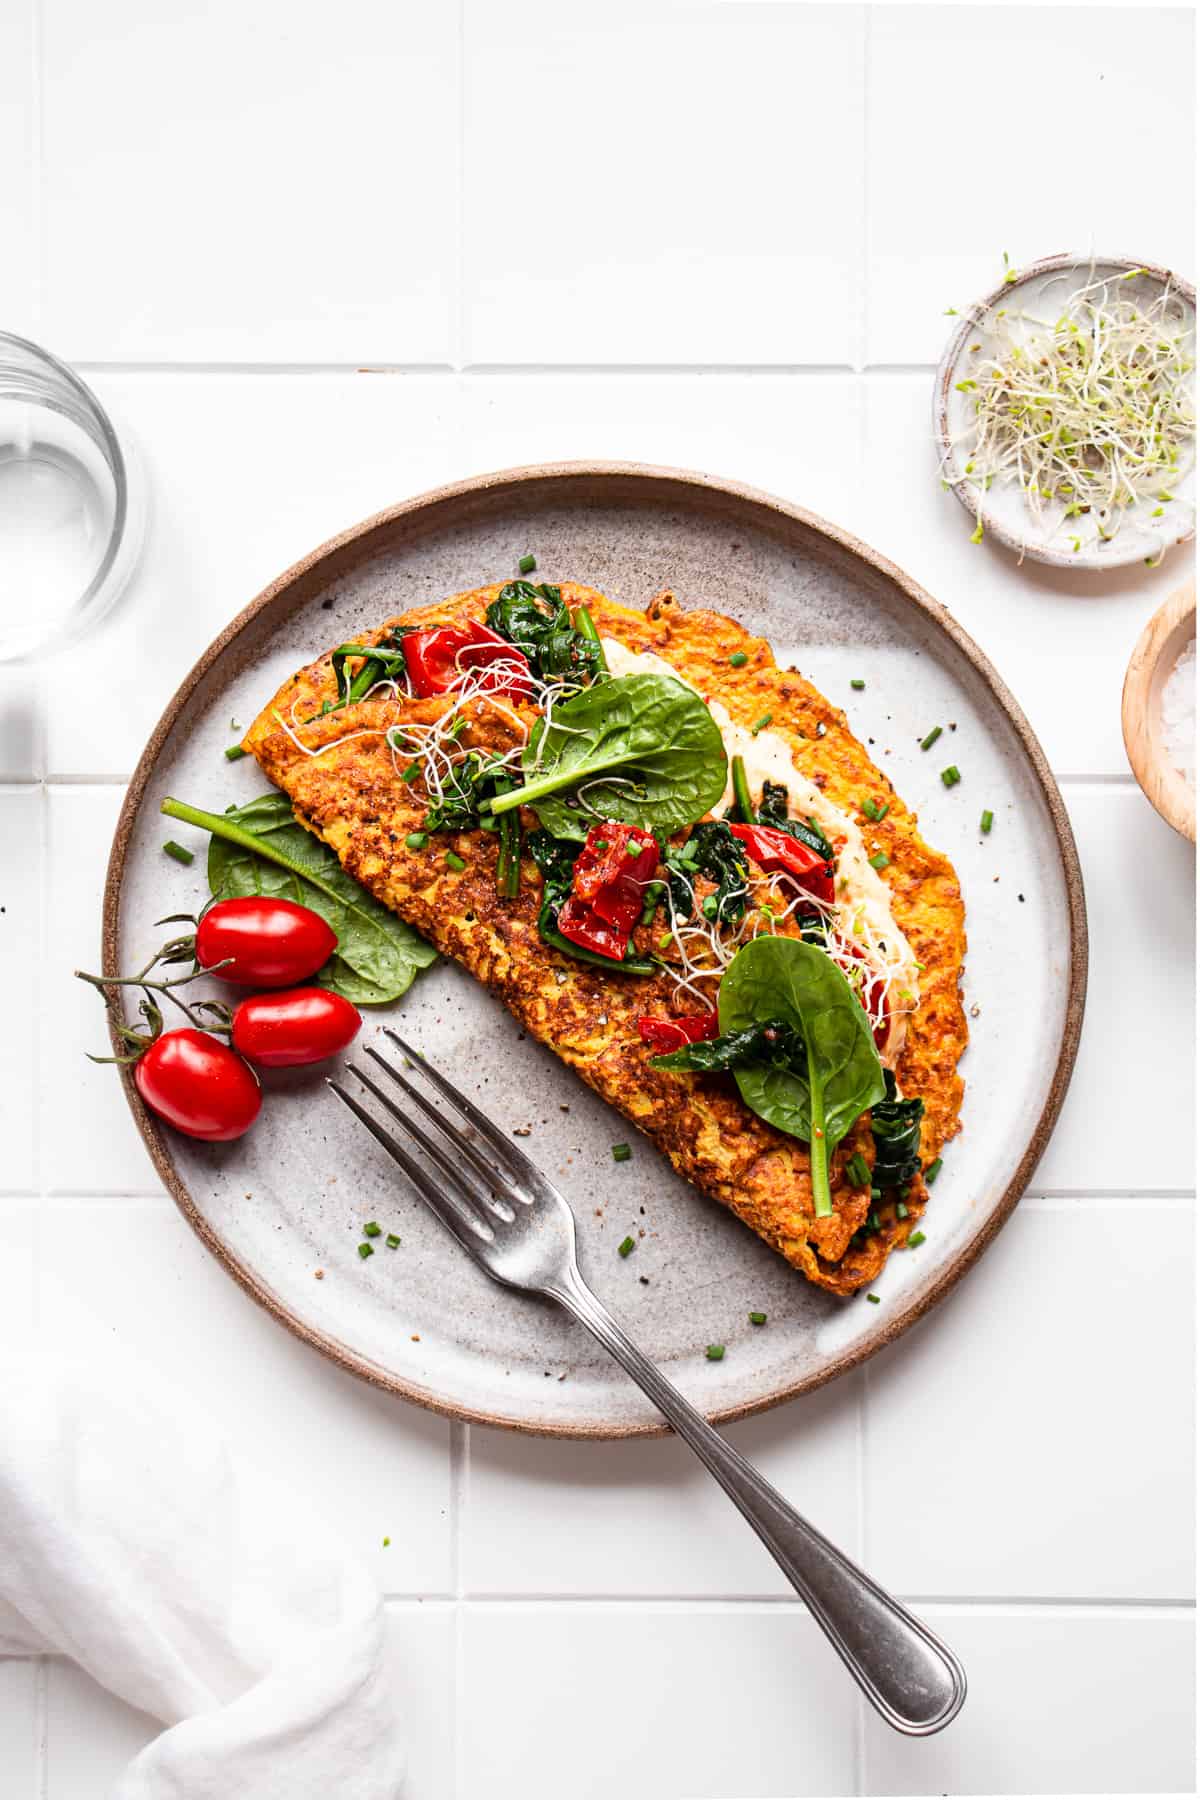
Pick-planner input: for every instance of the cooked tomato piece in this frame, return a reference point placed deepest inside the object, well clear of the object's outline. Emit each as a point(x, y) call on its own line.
point(611, 873)
point(436, 660)
point(778, 853)
point(672, 1034)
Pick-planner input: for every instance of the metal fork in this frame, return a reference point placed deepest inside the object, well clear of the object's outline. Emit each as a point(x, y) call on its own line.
point(517, 1226)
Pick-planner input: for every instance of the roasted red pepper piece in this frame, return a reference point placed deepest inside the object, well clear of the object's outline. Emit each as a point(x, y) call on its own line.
point(436, 660)
point(777, 853)
point(611, 873)
point(666, 1035)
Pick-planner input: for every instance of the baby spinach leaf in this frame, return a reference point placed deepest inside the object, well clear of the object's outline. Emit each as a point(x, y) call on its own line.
point(784, 981)
point(896, 1128)
point(769, 1045)
point(536, 619)
point(260, 849)
point(640, 748)
point(711, 850)
point(774, 812)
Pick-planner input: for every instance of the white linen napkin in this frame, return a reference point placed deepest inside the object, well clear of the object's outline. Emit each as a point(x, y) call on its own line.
point(193, 1586)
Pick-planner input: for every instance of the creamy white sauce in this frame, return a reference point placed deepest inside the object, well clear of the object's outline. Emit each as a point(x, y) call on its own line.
point(863, 901)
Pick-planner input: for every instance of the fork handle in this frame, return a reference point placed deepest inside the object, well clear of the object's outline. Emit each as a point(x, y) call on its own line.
point(907, 1673)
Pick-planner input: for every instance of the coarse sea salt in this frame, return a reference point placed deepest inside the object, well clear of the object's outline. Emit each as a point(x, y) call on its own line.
point(1179, 713)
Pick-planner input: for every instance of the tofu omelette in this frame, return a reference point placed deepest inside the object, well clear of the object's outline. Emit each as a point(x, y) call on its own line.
point(676, 866)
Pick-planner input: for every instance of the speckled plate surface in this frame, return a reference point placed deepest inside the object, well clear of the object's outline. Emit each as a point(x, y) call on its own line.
point(291, 1198)
point(1039, 291)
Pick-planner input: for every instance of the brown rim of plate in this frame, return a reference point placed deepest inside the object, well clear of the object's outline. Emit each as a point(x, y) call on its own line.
point(639, 482)
point(1047, 265)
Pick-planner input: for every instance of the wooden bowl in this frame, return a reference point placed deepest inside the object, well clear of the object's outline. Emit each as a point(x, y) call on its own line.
point(1158, 648)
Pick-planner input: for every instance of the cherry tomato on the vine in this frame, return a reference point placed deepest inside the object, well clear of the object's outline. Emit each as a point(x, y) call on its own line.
point(197, 1083)
point(273, 943)
point(301, 1025)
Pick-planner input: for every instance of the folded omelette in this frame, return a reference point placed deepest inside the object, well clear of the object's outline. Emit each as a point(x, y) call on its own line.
point(357, 771)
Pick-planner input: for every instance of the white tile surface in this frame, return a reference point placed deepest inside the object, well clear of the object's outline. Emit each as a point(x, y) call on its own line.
point(18, 1734)
point(249, 185)
point(1061, 1368)
point(247, 475)
point(949, 86)
point(697, 1702)
point(18, 226)
point(542, 1517)
point(17, 1274)
point(89, 1143)
point(797, 436)
point(22, 830)
point(690, 196)
point(1080, 1702)
point(90, 1734)
point(420, 1652)
point(1054, 635)
point(132, 1273)
point(1139, 1038)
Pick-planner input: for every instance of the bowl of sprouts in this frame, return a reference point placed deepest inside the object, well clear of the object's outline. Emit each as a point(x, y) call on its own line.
point(1064, 412)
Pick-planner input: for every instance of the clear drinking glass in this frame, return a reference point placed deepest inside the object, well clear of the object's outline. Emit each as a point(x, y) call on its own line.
point(71, 503)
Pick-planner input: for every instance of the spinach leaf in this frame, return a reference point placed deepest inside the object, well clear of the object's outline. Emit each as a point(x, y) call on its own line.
point(711, 850)
point(776, 979)
point(260, 849)
point(774, 812)
point(770, 1045)
point(645, 749)
point(538, 622)
point(896, 1128)
point(467, 787)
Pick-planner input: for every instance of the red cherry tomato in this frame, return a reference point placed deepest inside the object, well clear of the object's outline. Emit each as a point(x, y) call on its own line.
point(273, 943)
point(780, 854)
point(196, 1083)
point(303, 1025)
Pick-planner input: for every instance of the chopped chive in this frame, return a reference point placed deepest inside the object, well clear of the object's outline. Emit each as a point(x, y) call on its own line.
point(621, 1153)
point(915, 1239)
point(880, 860)
point(715, 1352)
point(901, 1210)
point(876, 1193)
point(392, 1241)
point(417, 840)
point(455, 861)
point(235, 753)
point(933, 1171)
point(881, 812)
point(857, 1172)
point(365, 1250)
point(666, 940)
point(869, 809)
point(951, 777)
point(858, 686)
point(873, 1299)
point(710, 906)
point(760, 724)
point(178, 852)
point(985, 823)
point(625, 1246)
point(527, 564)
point(873, 1218)
point(634, 848)
point(412, 772)
point(371, 1229)
point(738, 660)
point(931, 738)
point(757, 1318)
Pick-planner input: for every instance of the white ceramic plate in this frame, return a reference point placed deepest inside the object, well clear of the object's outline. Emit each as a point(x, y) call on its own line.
point(293, 1195)
point(1040, 291)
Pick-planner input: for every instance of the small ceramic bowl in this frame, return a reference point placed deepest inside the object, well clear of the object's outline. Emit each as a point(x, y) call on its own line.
point(1040, 291)
point(1159, 648)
